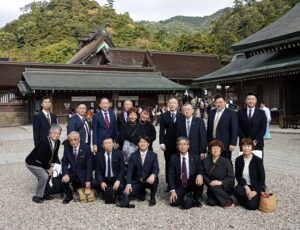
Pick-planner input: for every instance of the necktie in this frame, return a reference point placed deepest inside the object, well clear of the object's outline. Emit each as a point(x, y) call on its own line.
point(188, 128)
point(250, 114)
point(106, 120)
point(184, 180)
point(86, 127)
point(173, 117)
point(75, 153)
point(108, 166)
point(216, 121)
point(48, 118)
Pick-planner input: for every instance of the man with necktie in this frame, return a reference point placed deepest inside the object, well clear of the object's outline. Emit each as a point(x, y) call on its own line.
point(185, 174)
point(79, 123)
point(168, 132)
point(194, 129)
point(252, 122)
point(76, 166)
point(43, 120)
point(142, 172)
point(222, 125)
point(109, 170)
point(104, 125)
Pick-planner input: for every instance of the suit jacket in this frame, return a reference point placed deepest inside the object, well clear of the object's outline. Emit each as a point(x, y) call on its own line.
point(168, 131)
point(41, 126)
point(197, 136)
point(82, 167)
point(174, 176)
point(136, 172)
point(100, 130)
point(255, 128)
point(43, 155)
point(221, 170)
point(227, 128)
point(75, 124)
point(150, 131)
point(256, 172)
point(120, 121)
point(117, 163)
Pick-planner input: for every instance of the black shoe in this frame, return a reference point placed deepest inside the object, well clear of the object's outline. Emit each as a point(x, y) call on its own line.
point(48, 197)
point(142, 197)
point(37, 199)
point(67, 200)
point(152, 202)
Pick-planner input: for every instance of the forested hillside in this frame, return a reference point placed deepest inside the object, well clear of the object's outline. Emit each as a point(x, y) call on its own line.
point(48, 31)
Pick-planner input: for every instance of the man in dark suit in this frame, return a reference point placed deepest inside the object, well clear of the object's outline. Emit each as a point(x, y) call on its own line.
point(222, 125)
point(76, 166)
point(252, 122)
point(142, 172)
point(185, 174)
point(109, 170)
point(168, 132)
point(123, 117)
point(79, 123)
point(104, 125)
point(43, 121)
point(194, 129)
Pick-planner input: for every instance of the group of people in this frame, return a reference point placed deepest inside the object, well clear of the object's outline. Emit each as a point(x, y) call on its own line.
point(119, 151)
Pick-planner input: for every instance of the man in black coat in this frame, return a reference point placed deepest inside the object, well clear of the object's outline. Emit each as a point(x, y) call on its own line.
point(222, 125)
point(79, 123)
point(123, 117)
point(43, 121)
point(194, 129)
point(168, 132)
point(252, 122)
point(142, 172)
point(76, 166)
point(109, 170)
point(185, 174)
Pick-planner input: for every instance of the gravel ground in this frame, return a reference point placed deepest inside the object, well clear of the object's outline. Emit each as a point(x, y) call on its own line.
point(19, 212)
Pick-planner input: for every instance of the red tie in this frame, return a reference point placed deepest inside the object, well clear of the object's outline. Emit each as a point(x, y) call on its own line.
point(106, 120)
point(75, 153)
point(184, 180)
point(48, 119)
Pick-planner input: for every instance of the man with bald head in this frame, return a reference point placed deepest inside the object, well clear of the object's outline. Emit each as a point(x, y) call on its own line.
point(167, 132)
point(123, 117)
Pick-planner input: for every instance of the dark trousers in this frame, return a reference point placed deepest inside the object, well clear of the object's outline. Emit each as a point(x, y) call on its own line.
point(167, 155)
point(110, 183)
point(138, 189)
point(240, 194)
point(219, 195)
point(191, 188)
point(76, 184)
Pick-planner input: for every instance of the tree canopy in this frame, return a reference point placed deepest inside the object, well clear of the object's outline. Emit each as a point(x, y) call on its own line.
point(48, 31)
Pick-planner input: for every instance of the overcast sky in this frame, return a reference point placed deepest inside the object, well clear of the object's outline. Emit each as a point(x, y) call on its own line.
point(151, 10)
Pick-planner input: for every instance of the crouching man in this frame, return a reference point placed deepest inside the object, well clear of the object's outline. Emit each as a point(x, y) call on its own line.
point(109, 172)
point(142, 172)
point(76, 166)
point(184, 175)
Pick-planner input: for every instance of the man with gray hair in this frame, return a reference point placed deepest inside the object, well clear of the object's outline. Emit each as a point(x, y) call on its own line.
point(76, 166)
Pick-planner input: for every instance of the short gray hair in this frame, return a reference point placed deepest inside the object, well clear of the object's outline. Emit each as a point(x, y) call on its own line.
point(74, 133)
point(55, 127)
point(182, 138)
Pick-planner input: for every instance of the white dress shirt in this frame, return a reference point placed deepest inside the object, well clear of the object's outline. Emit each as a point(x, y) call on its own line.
point(190, 125)
point(143, 156)
point(246, 174)
point(103, 113)
point(86, 125)
point(252, 111)
point(46, 113)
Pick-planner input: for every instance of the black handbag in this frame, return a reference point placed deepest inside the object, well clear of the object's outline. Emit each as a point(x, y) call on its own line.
point(109, 195)
point(187, 201)
point(56, 187)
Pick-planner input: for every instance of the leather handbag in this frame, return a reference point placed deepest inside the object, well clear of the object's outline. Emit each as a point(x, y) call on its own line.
point(267, 202)
point(86, 195)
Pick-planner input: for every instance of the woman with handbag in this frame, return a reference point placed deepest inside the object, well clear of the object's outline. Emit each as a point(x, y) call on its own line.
point(250, 175)
point(218, 176)
point(41, 160)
